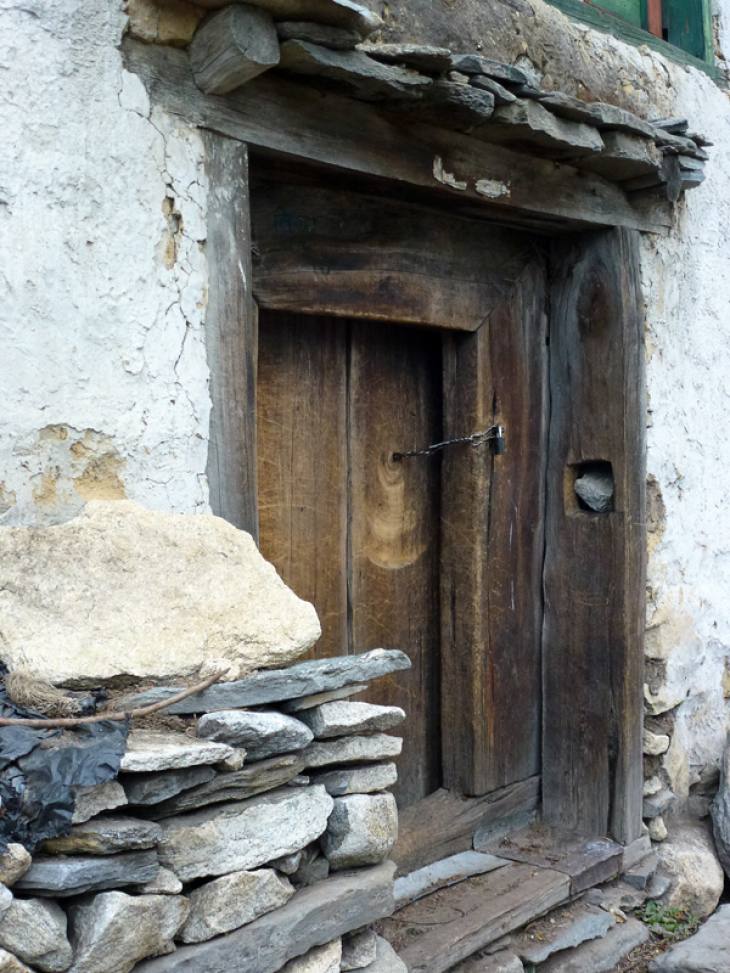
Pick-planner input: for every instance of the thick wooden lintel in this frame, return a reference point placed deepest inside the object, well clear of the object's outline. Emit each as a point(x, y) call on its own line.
point(276, 114)
point(231, 336)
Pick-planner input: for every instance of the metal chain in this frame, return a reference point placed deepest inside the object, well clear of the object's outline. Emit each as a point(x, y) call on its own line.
point(476, 439)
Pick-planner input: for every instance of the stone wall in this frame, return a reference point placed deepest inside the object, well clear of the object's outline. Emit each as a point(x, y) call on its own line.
point(102, 204)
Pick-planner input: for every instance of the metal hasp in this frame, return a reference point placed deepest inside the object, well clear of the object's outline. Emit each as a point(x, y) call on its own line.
point(494, 435)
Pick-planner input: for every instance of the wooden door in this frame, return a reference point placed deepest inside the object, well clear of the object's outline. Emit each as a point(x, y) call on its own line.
point(347, 526)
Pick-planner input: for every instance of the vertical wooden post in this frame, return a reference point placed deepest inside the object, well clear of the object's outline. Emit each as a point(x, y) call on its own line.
point(594, 568)
point(231, 335)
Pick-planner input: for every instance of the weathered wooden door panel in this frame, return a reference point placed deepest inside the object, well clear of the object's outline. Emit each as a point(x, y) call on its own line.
point(395, 404)
point(493, 542)
point(594, 570)
point(302, 463)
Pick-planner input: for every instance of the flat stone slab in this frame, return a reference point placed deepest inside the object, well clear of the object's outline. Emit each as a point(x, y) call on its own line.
point(237, 785)
point(603, 116)
point(241, 836)
point(343, 717)
point(527, 122)
point(336, 13)
point(504, 961)
point(315, 699)
point(442, 874)
point(386, 959)
point(321, 959)
point(302, 679)
point(90, 801)
point(263, 734)
point(336, 38)
point(314, 916)
point(422, 57)
point(155, 788)
point(600, 955)
point(708, 951)
point(359, 949)
point(348, 750)
point(563, 929)
point(106, 836)
point(229, 902)
point(478, 64)
point(56, 877)
point(357, 780)
point(149, 750)
point(368, 78)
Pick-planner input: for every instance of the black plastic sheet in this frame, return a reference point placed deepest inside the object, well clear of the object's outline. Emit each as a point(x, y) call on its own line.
point(41, 769)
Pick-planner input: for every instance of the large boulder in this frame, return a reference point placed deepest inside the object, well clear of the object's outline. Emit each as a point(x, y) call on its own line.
point(688, 859)
point(720, 811)
point(121, 592)
point(708, 951)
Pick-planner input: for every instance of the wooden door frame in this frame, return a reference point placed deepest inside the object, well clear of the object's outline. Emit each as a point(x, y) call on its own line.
point(231, 324)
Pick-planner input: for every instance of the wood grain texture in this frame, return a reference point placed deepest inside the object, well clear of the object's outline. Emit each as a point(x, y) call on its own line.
point(594, 571)
point(444, 823)
point(302, 464)
point(283, 116)
point(492, 542)
point(232, 47)
point(435, 933)
point(394, 403)
point(328, 250)
point(231, 336)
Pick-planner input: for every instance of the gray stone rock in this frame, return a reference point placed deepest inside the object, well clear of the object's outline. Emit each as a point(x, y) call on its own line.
point(11, 964)
point(235, 762)
point(655, 744)
point(90, 801)
point(595, 490)
point(366, 77)
point(164, 883)
point(315, 699)
point(253, 779)
point(421, 57)
point(313, 867)
point(14, 864)
point(708, 951)
point(35, 931)
point(357, 780)
point(477, 64)
point(161, 786)
point(635, 851)
point(56, 877)
point(350, 750)
point(336, 13)
point(343, 717)
point(150, 751)
point(688, 859)
point(262, 733)
point(303, 679)
point(658, 829)
point(229, 902)
point(503, 961)
point(113, 931)
point(720, 812)
point(600, 955)
point(616, 897)
point(336, 38)
point(641, 874)
point(386, 959)
point(6, 899)
point(501, 95)
point(658, 804)
point(359, 949)
point(287, 864)
point(315, 915)
point(623, 157)
point(567, 927)
point(527, 122)
point(449, 104)
point(361, 830)
point(321, 959)
point(163, 594)
point(105, 836)
point(242, 836)
point(442, 874)
point(604, 117)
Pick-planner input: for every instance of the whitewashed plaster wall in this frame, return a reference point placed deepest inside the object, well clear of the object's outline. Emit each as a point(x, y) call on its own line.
point(102, 274)
point(103, 283)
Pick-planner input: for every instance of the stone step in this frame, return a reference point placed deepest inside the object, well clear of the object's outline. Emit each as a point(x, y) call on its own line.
point(600, 955)
point(561, 930)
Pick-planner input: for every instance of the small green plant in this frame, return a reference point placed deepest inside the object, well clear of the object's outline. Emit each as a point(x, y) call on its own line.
point(672, 924)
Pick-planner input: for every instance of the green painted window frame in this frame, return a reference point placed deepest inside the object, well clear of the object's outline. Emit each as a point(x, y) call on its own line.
point(613, 23)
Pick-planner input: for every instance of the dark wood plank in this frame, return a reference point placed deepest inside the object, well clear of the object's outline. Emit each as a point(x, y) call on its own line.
point(284, 116)
point(493, 543)
point(594, 571)
point(437, 932)
point(231, 336)
point(302, 464)
point(587, 861)
point(320, 249)
point(394, 545)
point(444, 823)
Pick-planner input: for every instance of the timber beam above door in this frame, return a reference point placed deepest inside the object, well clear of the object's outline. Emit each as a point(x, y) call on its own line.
point(300, 121)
